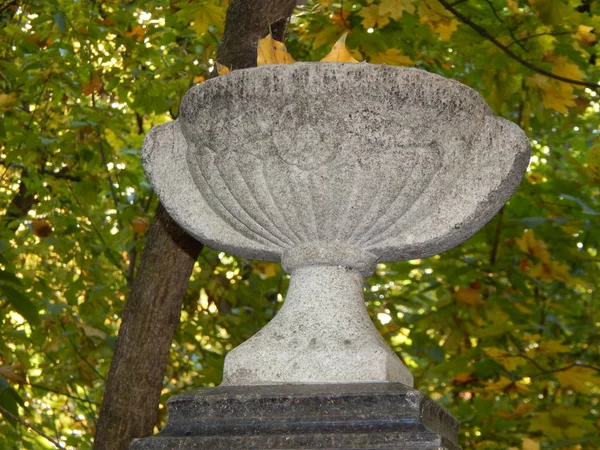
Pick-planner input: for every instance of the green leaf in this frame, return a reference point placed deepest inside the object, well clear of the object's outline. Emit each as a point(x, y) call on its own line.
point(9, 400)
point(61, 22)
point(21, 303)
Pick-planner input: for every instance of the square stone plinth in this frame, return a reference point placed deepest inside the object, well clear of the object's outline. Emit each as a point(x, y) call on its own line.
point(320, 416)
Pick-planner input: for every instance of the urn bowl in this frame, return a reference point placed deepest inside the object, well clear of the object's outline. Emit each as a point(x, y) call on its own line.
point(334, 164)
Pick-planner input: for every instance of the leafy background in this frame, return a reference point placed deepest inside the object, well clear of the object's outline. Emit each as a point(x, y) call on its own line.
point(502, 330)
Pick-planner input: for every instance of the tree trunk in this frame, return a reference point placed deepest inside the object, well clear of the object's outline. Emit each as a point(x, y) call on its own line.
point(132, 393)
point(130, 405)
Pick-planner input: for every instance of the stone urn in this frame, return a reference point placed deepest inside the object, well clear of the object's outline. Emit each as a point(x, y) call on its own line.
point(331, 168)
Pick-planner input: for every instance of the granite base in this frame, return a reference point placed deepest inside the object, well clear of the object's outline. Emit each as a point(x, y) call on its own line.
point(319, 416)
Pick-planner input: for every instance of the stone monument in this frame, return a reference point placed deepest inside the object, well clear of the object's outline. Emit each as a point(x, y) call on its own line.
point(328, 168)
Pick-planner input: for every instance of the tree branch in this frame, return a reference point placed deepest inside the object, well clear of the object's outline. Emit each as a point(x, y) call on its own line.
point(28, 425)
point(74, 397)
point(526, 38)
point(484, 33)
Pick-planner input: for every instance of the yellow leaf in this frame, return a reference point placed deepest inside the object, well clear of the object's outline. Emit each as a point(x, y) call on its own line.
point(530, 245)
point(508, 361)
point(392, 57)
point(339, 52)
point(432, 13)
point(469, 296)
point(550, 271)
point(265, 269)
point(395, 8)
point(558, 95)
point(207, 15)
point(6, 99)
point(580, 379)
point(271, 51)
point(554, 346)
point(504, 384)
point(584, 35)
point(372, 17)
point(562, 66)
point(544, 40)
point(221, 69)
point(513, 6)
point(530, 444)
point(592, 161)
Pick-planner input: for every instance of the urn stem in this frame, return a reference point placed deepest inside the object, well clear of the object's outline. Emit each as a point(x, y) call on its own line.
point(322, 334)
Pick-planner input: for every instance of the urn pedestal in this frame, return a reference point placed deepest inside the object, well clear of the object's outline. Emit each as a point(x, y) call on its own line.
point(306, 416)
point(328, 168)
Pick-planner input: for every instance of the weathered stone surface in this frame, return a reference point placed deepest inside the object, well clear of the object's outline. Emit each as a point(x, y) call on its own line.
point(394, 162)
point(350, 416)
point(322, 334)
point(330, 168)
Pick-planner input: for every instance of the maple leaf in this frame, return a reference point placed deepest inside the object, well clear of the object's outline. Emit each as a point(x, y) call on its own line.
point(432, 13)
point(580, 379)
point(554, 346)
point(552, 12)
point(372, 17)
point(271, 51)
point(527, 243)
point(339, 52)
point(508, 361)
point(521, 410)
point(562, 66)
point(550, 271)
point(560, 423)
point(206, 15)
point(584, 35)
point(504, 384)
point(395, 8)
point(555, 95)
point(392, 56)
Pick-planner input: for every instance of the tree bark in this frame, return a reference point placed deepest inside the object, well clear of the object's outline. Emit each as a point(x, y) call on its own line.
point(132, 393)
